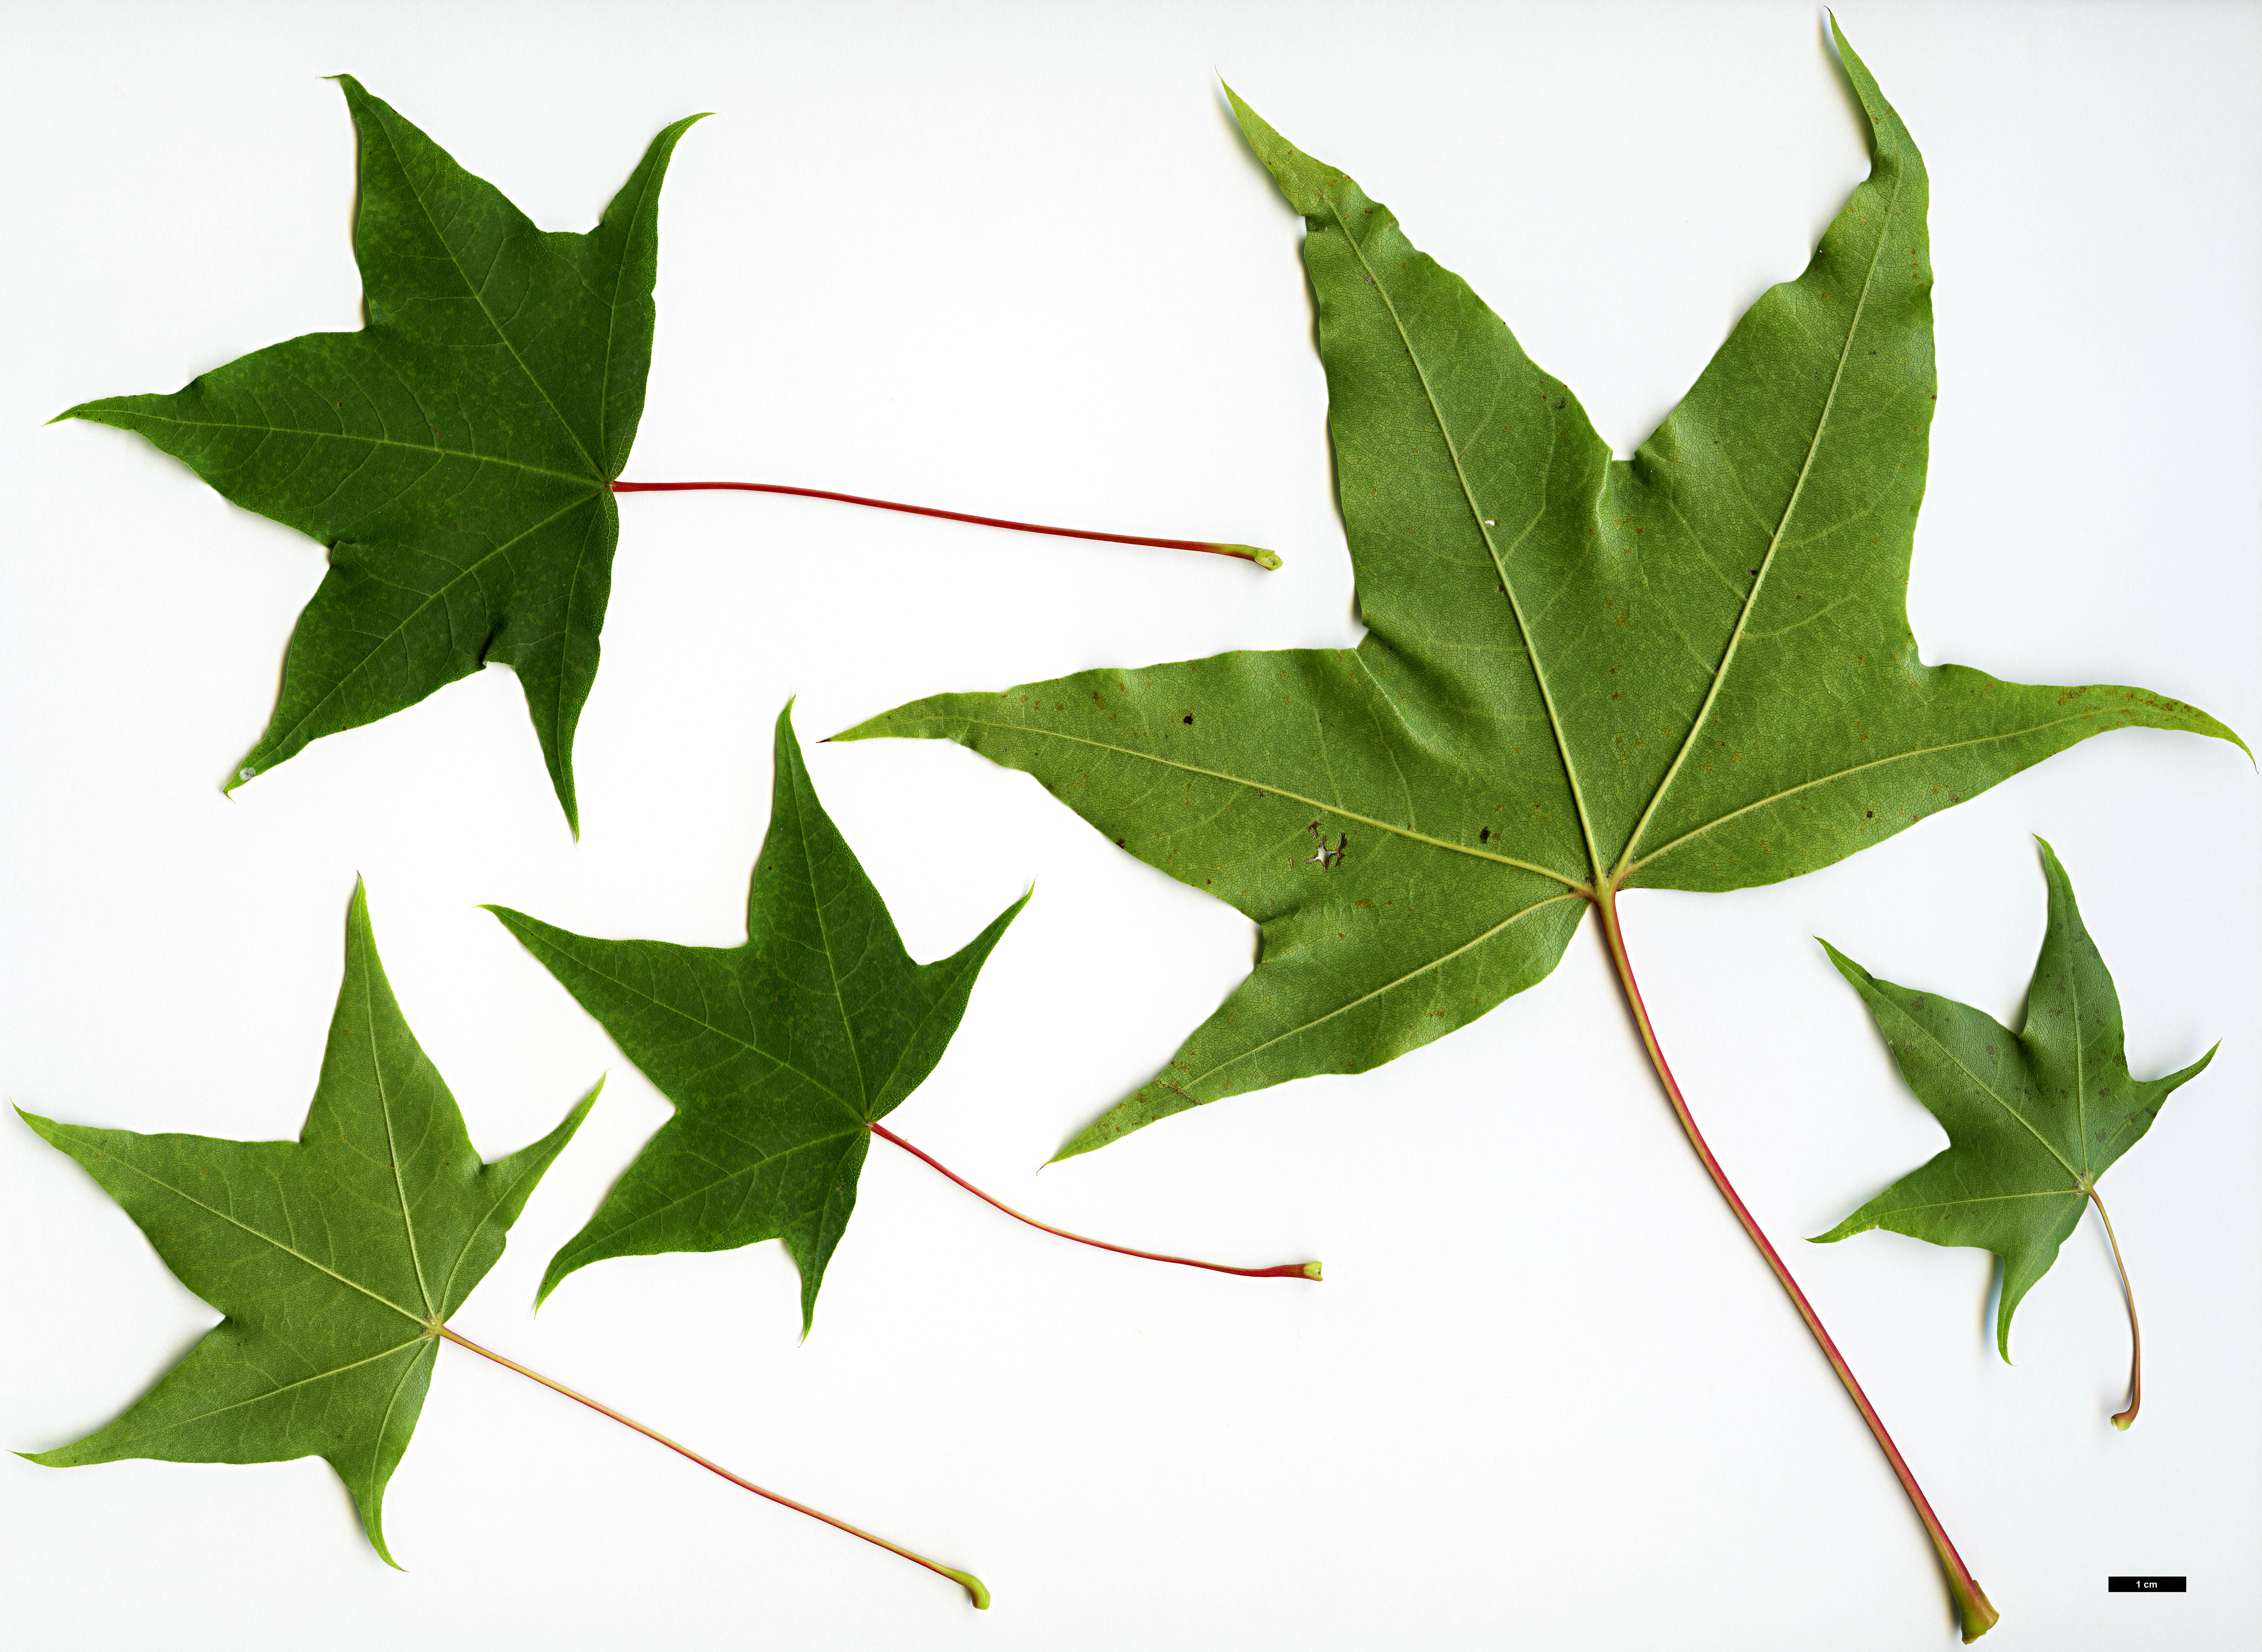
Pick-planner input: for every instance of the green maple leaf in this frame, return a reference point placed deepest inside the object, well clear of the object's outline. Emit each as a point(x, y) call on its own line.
point(460, 455)
point(337, 1258)
point(1688, 670)
point(456, 455)
point(780, 1055)
point(2032, 1118)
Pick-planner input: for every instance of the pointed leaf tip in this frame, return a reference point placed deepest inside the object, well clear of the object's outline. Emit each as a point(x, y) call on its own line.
point(373, 1526)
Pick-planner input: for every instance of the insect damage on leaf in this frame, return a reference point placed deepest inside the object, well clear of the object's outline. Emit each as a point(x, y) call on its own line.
point(1688, 670)
point(456, 454)
point(781, 1055)
point(2032, 1118)
point(337, 1258)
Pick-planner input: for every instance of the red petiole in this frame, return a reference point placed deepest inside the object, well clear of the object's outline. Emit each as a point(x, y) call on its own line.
point(1263, 559)
point(1973, 1610)
point(967, 1581)
point(1285, 1270)
point(2122, 1420)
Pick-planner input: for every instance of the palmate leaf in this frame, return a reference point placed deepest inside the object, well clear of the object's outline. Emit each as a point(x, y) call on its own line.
point(337, 1258)
point(780, 1055)
point(1688, 670)
point(1691, 670)
point(456, 454)
point(2032, 1118)
point(460, 455)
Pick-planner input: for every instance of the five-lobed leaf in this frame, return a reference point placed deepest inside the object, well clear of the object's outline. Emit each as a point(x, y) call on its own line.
point(1688, 670)
point(2032, 1118)
point(336, 1258)
point(456, 455)
point(779, 1053)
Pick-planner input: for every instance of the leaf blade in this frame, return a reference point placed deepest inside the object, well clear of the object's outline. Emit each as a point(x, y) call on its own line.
point(455, 455)
point(1689, 670)
point(777, 1055)
point(312, 1250)
point(2032, 1118)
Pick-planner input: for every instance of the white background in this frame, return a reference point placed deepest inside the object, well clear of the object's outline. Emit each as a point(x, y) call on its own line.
point(1015, 260)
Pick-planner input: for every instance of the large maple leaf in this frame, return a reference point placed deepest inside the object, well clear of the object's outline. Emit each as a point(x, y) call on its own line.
point(1688, 670)
point(337, 1258)
point(456, 454)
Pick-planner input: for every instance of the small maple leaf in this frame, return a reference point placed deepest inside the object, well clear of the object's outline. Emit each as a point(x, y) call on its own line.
point(337, 1258)
point(2032, 1118)
point(781, 1055)
point(456, 454)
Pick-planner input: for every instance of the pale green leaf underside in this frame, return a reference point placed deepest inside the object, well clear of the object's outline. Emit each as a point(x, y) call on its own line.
point(335, 1258)
point(778, 1054)
point(455, 455)
point(1691, 670)
point(2032, 1119)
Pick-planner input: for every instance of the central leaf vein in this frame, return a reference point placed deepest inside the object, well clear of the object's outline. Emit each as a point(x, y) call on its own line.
point(1477, 516)
point(477, 290)
point(1627, 864)
point(409, 1314)
point(1272, 790)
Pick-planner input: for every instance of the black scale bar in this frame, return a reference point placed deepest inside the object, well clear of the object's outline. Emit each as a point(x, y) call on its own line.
point(2144, 1585)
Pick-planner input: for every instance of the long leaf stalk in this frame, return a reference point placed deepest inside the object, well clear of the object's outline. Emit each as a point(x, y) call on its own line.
point(1285, 1270)
point(2122, 1420)
point(1972, 1608)
point(973, 1586)
point(1258, 554)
